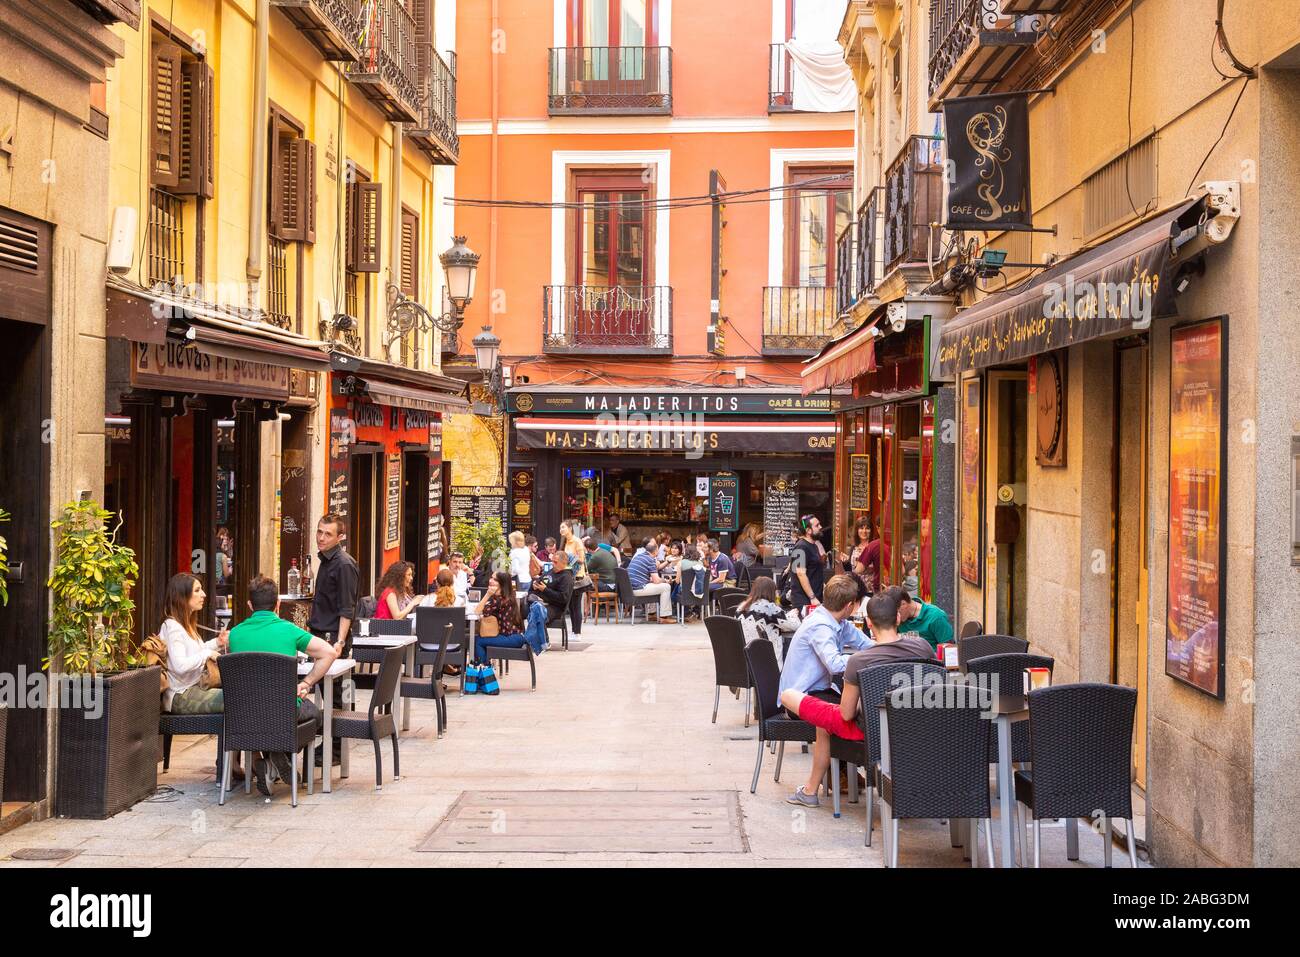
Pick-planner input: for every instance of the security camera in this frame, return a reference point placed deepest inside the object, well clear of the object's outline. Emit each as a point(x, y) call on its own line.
point(897, 315)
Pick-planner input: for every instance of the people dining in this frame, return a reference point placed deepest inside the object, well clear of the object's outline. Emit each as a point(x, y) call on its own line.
point(600, 563)
point(749, 545)
point(459, 576)
point(721, 567)
point(555, 588)
point(761, 616)
point(502, 604)
point(691, 561)
point(444, 590)
point(188, 654)
point(643, 570)
point(916, 617)
point(396, 600)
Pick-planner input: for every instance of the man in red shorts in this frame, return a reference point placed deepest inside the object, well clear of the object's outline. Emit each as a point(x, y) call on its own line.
point(841, 719)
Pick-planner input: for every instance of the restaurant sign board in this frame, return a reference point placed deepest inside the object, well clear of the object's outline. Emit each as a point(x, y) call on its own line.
point(714, 402)
point(168, 365)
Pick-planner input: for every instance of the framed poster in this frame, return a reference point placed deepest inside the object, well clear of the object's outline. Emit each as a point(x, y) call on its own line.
point(859, 483)
point(393, 496)
point(724, 502)
point(970, 522)
point(1196, 587)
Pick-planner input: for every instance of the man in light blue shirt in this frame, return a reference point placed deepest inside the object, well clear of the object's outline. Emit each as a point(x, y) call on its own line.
point(817, 653)
point(643, 570)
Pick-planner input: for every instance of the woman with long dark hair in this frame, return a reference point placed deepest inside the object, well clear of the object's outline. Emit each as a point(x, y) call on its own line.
point(761, 617)
point(188, 654)
point(395, 597)
point(500, 603)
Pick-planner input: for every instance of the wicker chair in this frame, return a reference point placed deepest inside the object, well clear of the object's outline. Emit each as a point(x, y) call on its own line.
point(371, 657)
point(727, 604)
point(628, 598)
point(971, 629)
point(172, 724)
point(978, 646)
point(729, 667)
point(874, 683)
point(1010, 670)
point(937, 763)
point(774, 724)
point(429, 622)
point(1081, 746)
point(726, 593)
point(262, 714)
point(430, 689)
point(378, 722)
point(686, 597)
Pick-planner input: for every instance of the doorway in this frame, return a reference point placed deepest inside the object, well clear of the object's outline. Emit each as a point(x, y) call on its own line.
point(1007, 449)
point(1129, 613)
point(415, 514)
point(366, 459)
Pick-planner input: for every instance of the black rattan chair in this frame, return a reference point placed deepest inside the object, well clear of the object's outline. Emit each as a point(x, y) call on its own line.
point(729, 668)
point(971, 629)
point(761, 571)
point(978, 646)
point(371, 657)
point(720, 595)
point(937, 759)
point(629, 599)
point(378, 722)
point(1010, 671)
point(774, 723)
point(873, 684)
point(429, 622)
point(686, 597)
point(1081, 748)
point(173, 724)
point(504, 653)
point(728, 603)
point(261, 714)
point(430, 689)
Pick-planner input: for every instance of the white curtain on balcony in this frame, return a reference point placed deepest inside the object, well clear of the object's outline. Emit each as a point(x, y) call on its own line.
point(821, 79)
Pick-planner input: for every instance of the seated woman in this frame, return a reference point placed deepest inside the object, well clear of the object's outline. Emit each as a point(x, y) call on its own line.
point(500, 603)
point(395, 598)
point(691, 562)
point(761, 616)
point(445, 594)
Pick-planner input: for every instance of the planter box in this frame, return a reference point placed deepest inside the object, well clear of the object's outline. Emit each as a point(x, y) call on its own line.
point(108, 762)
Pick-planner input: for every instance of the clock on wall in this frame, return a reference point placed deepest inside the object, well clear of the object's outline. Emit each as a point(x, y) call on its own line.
point(1049, 396)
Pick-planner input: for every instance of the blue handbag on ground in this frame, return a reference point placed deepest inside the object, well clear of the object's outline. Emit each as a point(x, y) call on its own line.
point(472, 675)
point(487, 680)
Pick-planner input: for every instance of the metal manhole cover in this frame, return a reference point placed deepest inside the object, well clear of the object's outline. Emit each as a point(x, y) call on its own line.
point(43, 854)
point(573, 822)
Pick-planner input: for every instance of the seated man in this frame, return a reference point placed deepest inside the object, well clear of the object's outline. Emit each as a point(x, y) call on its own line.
point(815, 655)
point(721, 567)
point(916, 617)
point(264, 630)
point(643, 569)
point(841, 719)
point(600, 563)
point(555, 588)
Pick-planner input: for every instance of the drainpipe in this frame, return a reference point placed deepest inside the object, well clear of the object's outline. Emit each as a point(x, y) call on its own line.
point(493, 160)
point(257, 192)
point(395, 221)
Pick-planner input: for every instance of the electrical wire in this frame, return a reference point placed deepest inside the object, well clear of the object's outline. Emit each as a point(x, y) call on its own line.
point(1192, 182)
point(1128, 146)
point(734, 197)
point(1222, 37)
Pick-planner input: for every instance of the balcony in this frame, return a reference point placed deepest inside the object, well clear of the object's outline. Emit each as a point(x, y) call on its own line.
point(387, 71)
point(870, 248)
point(332, 26)
point(848, 288)
point(797, 320)
point(435, 133)
point(607, 320)
point(113, 11)
point(610, 80)
point(913, 199)
point(974, 44)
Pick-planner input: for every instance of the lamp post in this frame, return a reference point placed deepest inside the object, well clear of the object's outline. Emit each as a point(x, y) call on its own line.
point(460, 264)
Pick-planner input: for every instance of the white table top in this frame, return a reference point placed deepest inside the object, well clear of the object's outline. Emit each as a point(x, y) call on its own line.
point(341, 666)
point(382, 641)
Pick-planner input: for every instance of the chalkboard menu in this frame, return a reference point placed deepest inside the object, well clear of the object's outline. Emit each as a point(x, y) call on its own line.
point(478, 503)
point(393, 497)
point(521, 501)
point(724, 502)
point(780, 510)
point(860, 483)
point(435, 508)
point(342, 431)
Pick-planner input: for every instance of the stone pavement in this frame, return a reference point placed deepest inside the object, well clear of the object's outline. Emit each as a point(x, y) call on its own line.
point(629, 712)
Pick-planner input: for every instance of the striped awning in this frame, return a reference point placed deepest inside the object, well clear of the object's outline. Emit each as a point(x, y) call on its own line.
point(676, 433)
point(844, 359)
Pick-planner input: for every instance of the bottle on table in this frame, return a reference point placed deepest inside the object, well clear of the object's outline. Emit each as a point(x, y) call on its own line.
point(306, 576)
point(295, 579)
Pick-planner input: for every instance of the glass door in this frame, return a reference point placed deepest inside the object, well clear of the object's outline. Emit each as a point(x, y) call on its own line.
point(615, 36)
point(583, 490)
point(612, 303)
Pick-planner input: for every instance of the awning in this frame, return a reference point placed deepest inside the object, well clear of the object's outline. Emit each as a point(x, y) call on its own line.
point(1113, 288)
point(844, 359)
point(676, 433)
point(406, 397)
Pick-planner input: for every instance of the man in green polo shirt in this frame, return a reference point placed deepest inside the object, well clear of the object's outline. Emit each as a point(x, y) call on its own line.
point(264, 630)
point(916, 617)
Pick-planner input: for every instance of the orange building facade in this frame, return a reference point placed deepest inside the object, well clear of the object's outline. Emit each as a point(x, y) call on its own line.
point(656, 188)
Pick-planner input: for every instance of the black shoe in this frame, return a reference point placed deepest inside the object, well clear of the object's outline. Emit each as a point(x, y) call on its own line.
point(259, 778)
point(283, 766)
point(320, 753)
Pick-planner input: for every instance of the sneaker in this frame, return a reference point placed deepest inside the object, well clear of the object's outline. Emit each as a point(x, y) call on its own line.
point(802, 797)
point(283, 767)
point(259, 777)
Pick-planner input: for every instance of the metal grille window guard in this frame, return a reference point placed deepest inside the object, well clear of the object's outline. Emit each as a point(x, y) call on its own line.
point(958, 25)
point(611, 80)
point(870, 247)
point(913, 200)
point(780, 79)
point(333, 26)
point(352, 293)
point(389, 63)
point(797, 319)
point(277, 287)
point(607, 319)
point(165, 252)
point(438, 116)
point(847, 285)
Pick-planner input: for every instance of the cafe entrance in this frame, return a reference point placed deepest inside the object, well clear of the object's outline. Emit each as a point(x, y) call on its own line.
point(1006, 592)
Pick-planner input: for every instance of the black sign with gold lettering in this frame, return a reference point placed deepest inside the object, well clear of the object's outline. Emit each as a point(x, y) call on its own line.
point(988, 162)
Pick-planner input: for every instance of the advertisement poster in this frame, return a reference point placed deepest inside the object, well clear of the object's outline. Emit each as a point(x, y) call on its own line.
point(393, 494)
point(969, 519)
point(1194, 625)
point(724, 502)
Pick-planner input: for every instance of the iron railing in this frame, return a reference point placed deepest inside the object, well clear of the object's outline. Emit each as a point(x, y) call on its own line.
point(607, 319)
point(870, 247)
point(610, 80)
point(958, 25)
point(334, 27)
point(848, 288)
point(277, 286)
point(388, 69)
point(165, 243)
point(436, 131)
point(913, 199)
point(780, 79)
point(797, 320)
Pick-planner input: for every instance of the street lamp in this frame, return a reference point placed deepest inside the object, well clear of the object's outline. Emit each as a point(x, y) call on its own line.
point(460, 264)
point(487, 348)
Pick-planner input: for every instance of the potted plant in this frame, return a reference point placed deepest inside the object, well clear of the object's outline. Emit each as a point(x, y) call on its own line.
point(468, 538)
point(108, 708)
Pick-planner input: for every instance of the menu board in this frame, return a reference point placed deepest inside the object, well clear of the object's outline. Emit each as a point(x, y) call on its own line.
point(521, 501)
point(968, 493)
point(342, 433)
point(780, 510)
point(478, 503)
point(1194, 638)
point(435, 509)
point(724, 502)
point(393, 499)
point(860, 483)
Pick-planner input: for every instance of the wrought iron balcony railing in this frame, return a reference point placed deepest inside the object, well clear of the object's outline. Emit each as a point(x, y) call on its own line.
point(780, 79)
point(332, 26)
point(797, 320)
point(611, 80)
point(871, 247)
point(913, 199)
point(435, 133)
point(606, 320)
point(974, 43)
point(387, 70)
point(847, 284)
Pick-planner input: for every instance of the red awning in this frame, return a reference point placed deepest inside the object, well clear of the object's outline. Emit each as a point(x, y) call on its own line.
point(842, 360)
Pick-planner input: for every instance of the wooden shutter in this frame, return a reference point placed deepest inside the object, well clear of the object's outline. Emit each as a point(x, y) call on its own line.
point(410, 280)
point(368, 224)
point(289, 182)
point(165, 130)
point(275, 170)
point(350, 220)
point(194, 175)
point(307, 190)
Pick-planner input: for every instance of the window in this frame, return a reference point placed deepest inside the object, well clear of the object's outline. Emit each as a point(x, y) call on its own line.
point(1123, 189)
point(410, 281)
point(362, 232)
point(611, 241)
point(815, 216)
point(292, 220)
point(613, 23)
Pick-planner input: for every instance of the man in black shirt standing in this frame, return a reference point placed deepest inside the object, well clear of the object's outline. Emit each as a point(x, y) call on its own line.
point(334, 604)
point(808, 565)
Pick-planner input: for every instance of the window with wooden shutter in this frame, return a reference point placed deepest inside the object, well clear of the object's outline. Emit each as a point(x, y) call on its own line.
point(288, 181)
point(292, 172)
point(165, 130)
point(194, 172)
point(307, 190)
point(367, 223)
point(410, 253)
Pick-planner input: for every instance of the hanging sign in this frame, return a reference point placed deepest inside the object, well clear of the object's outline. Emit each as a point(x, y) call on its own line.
point(724, 502)
point(988, 162)
point(860, 483)
point(393, 489)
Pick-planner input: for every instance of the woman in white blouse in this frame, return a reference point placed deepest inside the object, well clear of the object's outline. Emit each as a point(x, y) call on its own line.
point(187, 654)
point(520, 561)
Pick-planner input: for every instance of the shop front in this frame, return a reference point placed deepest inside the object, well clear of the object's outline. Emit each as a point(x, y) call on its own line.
point(680, 462)
point(385, 464)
